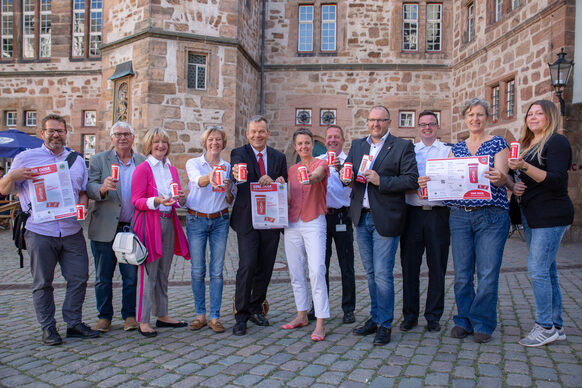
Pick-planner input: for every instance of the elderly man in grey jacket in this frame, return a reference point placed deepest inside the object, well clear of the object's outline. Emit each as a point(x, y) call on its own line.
point(112, 211)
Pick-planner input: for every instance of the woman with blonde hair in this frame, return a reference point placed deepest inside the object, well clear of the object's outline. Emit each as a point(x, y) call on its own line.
point(156, 223)
point(541, 174)
point(207, 222)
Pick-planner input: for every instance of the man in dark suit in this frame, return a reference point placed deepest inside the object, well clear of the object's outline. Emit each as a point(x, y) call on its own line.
point(257, 248)
point(112, 211)
point(378, 210)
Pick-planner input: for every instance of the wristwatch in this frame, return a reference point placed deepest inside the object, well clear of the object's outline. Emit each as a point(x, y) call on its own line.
point(524, 169)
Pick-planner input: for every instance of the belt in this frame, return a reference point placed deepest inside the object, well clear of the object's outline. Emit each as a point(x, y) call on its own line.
point(365, 210)
point(166, 214)
point(332, 211)
point(470, 208)
point(210, 216)
point(430, 207)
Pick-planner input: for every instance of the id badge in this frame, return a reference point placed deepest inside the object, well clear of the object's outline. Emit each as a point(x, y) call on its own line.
point(341, 228)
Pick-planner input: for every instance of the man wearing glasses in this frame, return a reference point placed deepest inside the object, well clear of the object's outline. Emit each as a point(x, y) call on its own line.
point(378, 210)
point(58, 241)
point(111, 212)
point(427, 226)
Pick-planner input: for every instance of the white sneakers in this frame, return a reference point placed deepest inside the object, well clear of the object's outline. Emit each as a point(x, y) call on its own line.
point(539, 336)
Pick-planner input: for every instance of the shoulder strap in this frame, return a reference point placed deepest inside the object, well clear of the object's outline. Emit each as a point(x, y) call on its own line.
point(72, 157)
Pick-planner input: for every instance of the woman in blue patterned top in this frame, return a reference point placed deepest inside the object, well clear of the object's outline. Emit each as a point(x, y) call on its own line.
point(479, 229)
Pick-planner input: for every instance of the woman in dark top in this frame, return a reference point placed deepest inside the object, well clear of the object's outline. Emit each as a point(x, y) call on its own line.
point(541, 175)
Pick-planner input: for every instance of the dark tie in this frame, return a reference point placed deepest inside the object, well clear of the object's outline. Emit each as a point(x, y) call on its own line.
point(262, 165)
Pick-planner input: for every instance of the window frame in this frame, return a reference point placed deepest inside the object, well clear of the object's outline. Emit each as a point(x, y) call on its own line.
point(470, 21)
point(299, 124)
point(510, 99)
point(13, 121)
point(305, 23)
point(28, 119)
point(86, 122)
point(412, 21)
point(86, 36)
point(6, 37)
point(325, 22)
point(495, 102)
point(412, 118)
point(497, 10)
point(438, 21)
point(197, 67)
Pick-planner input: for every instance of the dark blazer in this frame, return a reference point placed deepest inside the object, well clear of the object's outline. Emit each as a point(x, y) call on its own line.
point(240, 219)
point(396, 165)
point(104, 215)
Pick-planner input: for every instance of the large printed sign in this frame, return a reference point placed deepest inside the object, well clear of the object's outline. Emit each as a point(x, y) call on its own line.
point(51, 193)
point(458, 178)
point(269, 206)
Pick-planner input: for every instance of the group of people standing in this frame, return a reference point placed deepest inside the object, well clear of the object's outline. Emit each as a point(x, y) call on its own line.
point(385, 204)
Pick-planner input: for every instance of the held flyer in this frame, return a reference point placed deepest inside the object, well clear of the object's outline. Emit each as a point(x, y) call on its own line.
point(458, 178)
point(269, 206)
point(51, 193)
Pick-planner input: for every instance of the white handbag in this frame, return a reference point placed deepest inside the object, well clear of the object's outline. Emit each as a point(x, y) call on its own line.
point(128, 248)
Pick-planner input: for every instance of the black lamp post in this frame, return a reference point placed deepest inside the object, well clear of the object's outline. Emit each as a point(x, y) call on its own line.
point(560, 74)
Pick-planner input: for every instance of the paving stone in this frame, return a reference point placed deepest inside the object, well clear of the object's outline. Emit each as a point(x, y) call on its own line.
point(190, 381)
point(312, 370)
point(382, 382)
point(115, 381)
point(464, 371)
point(247, 380)
point(17, 380)
point(489, 370)
point(333, 378)
point(301, 381)
point(165, 380)
point(516, 380)
point(218, 380)
point(463, 383)
point(212, 370)
point(543, 373)
point(410, 383)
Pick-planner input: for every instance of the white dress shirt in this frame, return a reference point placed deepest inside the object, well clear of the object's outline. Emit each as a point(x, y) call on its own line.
point(337, 195)
point(437, 150)
point(374, 149)
point(204, 199)
point(163, 178)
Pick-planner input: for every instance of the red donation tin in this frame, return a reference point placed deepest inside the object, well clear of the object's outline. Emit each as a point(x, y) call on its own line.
point(330, 158)
point(242, 172)
point(303, 178)
point(219, 175)
point(115, 172)
point(81, 212)
point(348, 171)
point(174, 190)
point(514, 150)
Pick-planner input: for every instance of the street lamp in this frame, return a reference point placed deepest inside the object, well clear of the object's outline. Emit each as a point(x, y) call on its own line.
point(560, 74)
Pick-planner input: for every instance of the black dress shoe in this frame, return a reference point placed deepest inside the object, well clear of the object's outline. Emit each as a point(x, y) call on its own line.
point(81, 330)
point(148, 334)
point(382, 336)
point(169, 324)
point(239, 328)
point(259, 319)
point(311, 315)
point(349, 317)
point(408, 325)
point(369, 327)
point(51, 337)
point(433, 326)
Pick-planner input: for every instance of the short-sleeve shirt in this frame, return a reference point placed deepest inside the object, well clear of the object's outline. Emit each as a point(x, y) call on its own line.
point(498, 194)
point(307, 201)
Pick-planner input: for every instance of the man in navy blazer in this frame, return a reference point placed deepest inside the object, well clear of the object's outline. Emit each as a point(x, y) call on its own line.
point(257, 248)
point(378, 210)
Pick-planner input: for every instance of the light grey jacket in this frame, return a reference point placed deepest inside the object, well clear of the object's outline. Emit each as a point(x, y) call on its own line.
point(105, 212)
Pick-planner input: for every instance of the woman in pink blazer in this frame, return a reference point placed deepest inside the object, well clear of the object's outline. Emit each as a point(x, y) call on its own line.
point(157, 225)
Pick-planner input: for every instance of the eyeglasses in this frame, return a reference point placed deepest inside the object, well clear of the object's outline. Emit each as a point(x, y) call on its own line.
point(119, 135)
point(52, 131)
point(423, 125)
point(378, 120)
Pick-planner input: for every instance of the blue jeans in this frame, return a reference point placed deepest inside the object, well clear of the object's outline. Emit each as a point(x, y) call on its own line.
point(477, 240)
point(200, 230)
point(377, 253)
point(543, 244)
point(105, 263)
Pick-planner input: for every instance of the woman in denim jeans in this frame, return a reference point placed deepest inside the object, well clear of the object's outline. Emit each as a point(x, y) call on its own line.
point(479, 229)
point(208, 220)
point(542, 182)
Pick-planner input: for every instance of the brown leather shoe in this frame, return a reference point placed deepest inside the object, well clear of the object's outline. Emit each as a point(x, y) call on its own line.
point(130, 324)
point(103, 325)
point(198, 324)
point(216, 326)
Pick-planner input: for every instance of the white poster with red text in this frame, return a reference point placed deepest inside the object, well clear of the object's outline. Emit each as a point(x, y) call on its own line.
point(51, 193)
point(269, 206)
point(458, 178)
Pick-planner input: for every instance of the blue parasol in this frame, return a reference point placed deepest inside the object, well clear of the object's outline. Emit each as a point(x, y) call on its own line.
point(13, 142)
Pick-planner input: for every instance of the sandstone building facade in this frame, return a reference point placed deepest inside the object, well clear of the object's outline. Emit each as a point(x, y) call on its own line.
point(185, 65)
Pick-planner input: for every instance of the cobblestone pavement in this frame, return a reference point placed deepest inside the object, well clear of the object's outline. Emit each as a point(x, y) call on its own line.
point(271, 357)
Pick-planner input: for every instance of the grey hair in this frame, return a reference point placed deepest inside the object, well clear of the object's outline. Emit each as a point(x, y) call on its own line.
point(474, 102)
point(258, 119)
point(121, 125)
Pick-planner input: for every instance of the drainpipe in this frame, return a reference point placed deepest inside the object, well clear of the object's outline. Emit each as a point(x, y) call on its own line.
point(262, 88)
